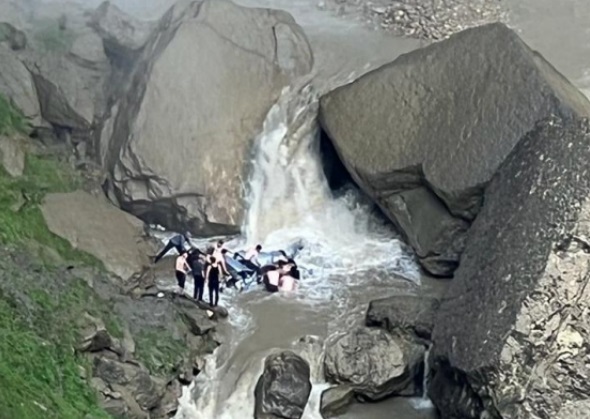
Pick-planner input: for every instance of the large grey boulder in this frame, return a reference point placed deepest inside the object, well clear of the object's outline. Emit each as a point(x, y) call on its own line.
point(283, 388)
point(424, 134)
point(123, 36)
point(374, 363)
point(411, 313)
point(16, 83)
point(181, 140)
point(95, 226)
point(510, 338)
point(88, 51)
point(70, 93)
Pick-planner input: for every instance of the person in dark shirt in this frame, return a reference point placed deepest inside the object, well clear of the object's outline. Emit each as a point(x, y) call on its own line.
point(177, 242)
point(196, 260)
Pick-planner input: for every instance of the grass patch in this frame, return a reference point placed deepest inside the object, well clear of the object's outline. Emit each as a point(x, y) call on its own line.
point(12, 120)
point(39, 378)
point(52, 38)
point(158, 352)
point(17, 225)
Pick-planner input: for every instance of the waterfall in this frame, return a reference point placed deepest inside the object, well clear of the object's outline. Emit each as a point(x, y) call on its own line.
point(423, 402)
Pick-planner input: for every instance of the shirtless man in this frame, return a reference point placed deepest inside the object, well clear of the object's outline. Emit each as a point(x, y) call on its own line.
point(287, 283)
point(271, 280)
point(181, 269)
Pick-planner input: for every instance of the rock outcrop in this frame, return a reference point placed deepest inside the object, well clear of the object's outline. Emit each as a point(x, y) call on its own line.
point(178, 153)
point(413, 314)
point(283, 388)
point(335, 400)
point(14, 38)
point(374, 363)
point(16, 83)
point(96, 227)
point(123, 35)
point(510, 335)
point(70, 94)
point(12, 155)
point(424, 135)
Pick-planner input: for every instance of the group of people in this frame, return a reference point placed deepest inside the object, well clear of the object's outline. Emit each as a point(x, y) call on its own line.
point(210, 267)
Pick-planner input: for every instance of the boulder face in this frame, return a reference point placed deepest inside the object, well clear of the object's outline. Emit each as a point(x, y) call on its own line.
point(283, 388)
point(96, 227)
point(374, 363)
point(424, 134)
point(70, 93)
point(123, 35)
point(509, 335)
point(16, 83)
point(180, 144)
point(411, 313)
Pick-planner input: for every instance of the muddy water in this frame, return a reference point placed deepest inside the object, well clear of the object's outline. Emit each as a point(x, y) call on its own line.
point(560, 31)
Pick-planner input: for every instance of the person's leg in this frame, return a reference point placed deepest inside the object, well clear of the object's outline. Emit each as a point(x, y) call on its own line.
point(181, 279)
point(216, 294)
point(165, 250)
point(210, 292)
point(199, 285)
point(251, 266)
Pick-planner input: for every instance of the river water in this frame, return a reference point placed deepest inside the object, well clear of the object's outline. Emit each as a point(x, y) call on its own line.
point(350, 256)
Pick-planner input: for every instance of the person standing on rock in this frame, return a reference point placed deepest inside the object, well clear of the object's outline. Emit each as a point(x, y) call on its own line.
point(178, 242)
point(196, 261)
point(212, 278)
point(181, 269)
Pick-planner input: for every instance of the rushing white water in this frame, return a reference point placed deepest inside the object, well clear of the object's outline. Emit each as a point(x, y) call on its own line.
point(289, 199)
point(424, 402)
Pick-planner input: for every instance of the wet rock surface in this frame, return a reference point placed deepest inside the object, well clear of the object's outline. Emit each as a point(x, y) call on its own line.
point(335, 400)
point(413, 314)
point(509, 335)
point(374, 363)
point(416, 149)
point(283, 388)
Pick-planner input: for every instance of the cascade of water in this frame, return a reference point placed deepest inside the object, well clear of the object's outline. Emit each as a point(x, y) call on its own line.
point(423, 402)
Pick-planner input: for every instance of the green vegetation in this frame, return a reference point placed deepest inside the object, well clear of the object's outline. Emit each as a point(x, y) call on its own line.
point(20, 216)
point(39, 371)
point(158, 352)
point(40, 308)
point(12, 120)
point(53, 35)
